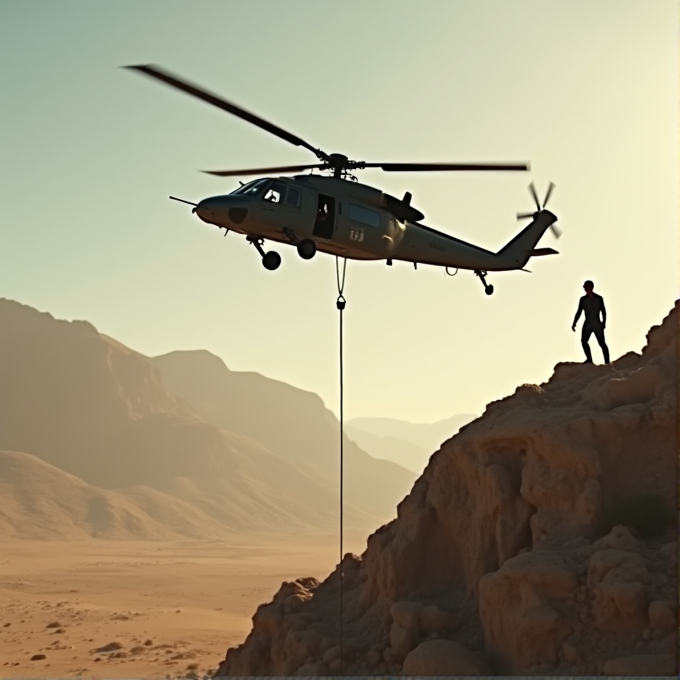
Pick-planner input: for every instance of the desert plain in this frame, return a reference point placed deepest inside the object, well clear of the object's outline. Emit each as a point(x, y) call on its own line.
point(159, 608)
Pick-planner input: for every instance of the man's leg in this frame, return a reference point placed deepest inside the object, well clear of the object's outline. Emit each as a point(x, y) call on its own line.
point(599, 334)
point(585, 334)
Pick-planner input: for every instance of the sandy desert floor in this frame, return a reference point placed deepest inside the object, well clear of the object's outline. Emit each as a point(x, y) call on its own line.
point(110, 609)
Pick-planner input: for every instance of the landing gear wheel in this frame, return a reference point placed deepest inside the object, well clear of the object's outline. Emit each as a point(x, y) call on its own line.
point(306, 249)
point(271, 260)
point(488, 288)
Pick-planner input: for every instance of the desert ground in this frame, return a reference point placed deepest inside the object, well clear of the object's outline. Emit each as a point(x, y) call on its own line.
point(114, 609)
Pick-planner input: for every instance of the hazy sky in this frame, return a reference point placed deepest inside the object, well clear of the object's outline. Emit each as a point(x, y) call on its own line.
point(585, 90)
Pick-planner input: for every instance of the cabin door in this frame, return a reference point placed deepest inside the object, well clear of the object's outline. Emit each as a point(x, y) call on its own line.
point(324, 224)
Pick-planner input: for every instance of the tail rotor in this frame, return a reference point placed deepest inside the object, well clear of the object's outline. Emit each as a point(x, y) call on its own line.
point(532, 215)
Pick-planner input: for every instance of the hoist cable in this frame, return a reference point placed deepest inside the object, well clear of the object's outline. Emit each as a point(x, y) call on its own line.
point(340, 304)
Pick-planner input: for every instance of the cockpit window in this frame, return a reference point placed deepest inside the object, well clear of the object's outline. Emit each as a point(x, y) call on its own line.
point(251, 188)
point(275, 193)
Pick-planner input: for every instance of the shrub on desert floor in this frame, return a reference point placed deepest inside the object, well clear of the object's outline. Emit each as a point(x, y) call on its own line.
point(647, 514)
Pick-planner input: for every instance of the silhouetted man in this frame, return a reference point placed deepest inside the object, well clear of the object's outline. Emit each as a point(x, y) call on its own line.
point(592, 304)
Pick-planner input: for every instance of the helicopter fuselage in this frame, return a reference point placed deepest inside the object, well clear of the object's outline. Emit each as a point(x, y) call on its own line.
point(343, 218)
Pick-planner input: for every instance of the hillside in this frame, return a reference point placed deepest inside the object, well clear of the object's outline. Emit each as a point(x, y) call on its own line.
point(539, 540)
point(289, 422)
point(40, 501)
point(100, 412)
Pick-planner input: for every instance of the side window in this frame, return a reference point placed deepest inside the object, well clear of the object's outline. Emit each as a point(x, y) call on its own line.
point(275, 193)
point(365, 216)
point(293, 197)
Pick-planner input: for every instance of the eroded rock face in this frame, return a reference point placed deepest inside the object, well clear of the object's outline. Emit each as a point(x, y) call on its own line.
point(521, 609)
point(497, 553)
point(619, 583)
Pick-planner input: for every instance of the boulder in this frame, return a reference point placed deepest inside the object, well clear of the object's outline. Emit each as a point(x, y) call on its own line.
point(662, 614)
point(443, 657)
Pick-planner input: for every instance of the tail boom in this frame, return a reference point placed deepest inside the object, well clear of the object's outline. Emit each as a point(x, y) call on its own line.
point(520, 249)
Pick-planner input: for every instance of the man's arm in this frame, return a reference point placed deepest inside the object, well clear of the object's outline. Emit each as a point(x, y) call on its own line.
point(578, 313)
point(604, 313)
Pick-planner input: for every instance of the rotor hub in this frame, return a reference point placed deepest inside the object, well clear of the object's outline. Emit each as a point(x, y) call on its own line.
point(338, 159)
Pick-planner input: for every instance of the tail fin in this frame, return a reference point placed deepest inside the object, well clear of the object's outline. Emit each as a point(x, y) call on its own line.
point(521, 248)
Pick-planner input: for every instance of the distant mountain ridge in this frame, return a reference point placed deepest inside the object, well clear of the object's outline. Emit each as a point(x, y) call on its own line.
point(408, 444)
point(101, 413)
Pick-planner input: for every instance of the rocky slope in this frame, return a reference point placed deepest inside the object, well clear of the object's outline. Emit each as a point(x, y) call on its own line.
point(501, 560)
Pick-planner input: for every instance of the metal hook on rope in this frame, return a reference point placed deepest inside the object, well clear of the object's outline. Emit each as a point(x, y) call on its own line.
point(340, 278)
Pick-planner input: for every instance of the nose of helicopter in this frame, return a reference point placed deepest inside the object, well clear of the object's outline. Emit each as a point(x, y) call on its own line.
point(206, 209)
point(220, 210)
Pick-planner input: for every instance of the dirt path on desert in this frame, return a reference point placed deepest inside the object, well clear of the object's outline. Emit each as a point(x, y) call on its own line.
point(163, 609)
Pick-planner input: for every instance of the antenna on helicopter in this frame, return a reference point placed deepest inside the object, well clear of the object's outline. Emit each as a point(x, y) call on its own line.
point(181, 200)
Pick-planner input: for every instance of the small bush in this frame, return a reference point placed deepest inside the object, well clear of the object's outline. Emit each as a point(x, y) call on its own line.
point(647, 514)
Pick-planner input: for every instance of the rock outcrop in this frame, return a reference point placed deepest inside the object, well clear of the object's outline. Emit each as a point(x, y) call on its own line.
point(500, 560)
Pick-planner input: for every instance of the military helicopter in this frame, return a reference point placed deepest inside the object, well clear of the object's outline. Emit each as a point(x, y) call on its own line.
point(333, 213)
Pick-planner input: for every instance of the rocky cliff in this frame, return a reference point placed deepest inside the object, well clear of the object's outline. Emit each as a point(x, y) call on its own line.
point(539, 539)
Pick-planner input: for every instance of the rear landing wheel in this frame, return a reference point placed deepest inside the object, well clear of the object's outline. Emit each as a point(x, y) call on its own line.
point(488, 290)
point(271, 260)
point(306, 249)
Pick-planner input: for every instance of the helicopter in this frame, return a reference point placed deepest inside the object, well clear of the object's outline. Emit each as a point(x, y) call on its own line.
point(335, 214)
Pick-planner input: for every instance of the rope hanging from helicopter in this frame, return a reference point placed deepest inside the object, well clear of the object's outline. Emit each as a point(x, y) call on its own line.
point(340, 167)
point(340, 304)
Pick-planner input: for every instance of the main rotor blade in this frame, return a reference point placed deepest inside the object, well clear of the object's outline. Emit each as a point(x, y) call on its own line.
point(263, 171)
point(425, 167)
point(195, 91)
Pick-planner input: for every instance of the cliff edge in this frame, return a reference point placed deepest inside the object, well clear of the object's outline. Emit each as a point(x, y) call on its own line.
point(539, 539)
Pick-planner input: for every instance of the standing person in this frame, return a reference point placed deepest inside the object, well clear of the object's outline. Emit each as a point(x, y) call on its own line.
point(592, 304)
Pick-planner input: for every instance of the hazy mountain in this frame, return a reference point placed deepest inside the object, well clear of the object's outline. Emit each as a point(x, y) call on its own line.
point(399, 451)
point(289, 422)
point(93, 408)
point(409, 444)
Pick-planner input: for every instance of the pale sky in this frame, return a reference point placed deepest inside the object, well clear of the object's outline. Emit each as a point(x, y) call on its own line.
point(584, 90)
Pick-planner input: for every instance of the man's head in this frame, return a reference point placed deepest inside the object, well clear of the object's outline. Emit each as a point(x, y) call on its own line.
point(588, 287)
